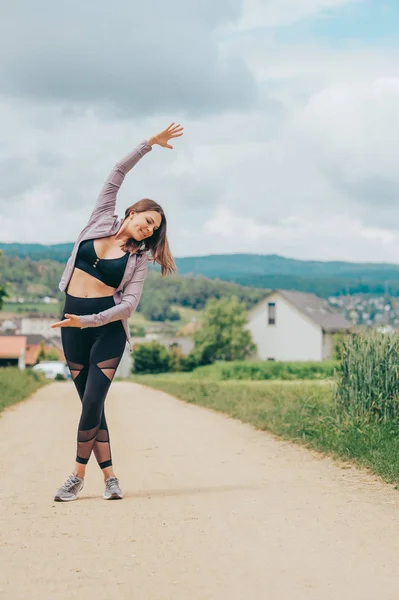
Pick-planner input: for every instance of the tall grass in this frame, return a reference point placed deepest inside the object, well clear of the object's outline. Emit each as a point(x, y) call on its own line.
point(368, 378)
point(15, 385)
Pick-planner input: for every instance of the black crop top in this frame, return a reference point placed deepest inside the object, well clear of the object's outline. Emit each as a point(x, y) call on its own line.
point(108, 270)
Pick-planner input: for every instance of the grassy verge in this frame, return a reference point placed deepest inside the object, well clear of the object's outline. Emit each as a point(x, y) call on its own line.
point(16, 385)
point(260, 370)
point(31, 307)
point(300, 411)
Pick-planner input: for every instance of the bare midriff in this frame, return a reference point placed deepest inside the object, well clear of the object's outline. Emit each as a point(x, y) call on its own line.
point(84, 285)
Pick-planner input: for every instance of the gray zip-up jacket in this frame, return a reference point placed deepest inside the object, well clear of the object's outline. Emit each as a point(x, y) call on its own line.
point(104, 222)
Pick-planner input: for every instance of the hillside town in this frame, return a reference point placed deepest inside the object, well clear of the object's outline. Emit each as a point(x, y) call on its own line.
point(359, 309)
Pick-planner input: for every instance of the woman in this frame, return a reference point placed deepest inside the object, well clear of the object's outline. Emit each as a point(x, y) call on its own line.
point(103, 281)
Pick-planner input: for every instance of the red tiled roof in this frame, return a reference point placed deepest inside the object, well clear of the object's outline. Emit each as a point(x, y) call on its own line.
point(31, 354)
point(32, 350)
point(12, 346)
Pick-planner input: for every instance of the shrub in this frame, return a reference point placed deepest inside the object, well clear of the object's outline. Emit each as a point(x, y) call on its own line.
point(176, 358)
point(60, 377)
point(190, 362)
point(261, 370)
point(151, 357)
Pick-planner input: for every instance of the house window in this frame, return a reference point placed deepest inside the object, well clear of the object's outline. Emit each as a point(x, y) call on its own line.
point(272, 313)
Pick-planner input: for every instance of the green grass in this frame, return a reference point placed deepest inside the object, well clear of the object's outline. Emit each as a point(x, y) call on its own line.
point(16, 385)
point(137, 318)
point(303, 412)
point(167, 327)
point(29, 307)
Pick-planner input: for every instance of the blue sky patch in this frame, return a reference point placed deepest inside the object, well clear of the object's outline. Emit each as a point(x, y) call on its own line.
point(372, 22)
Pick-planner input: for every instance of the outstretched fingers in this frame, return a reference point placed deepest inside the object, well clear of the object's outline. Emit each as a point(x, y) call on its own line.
point(175, 129)
point(69, 321)
point(63, 323)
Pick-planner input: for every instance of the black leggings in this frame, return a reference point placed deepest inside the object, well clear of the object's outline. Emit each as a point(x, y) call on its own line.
point(93, 355)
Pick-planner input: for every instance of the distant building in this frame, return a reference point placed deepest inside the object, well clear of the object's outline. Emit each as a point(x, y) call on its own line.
point(40, 324)
point(13, 351)
point(33, 351)
point(49, 300)
point(8, 326)
point(185, 344)
point(33, 345)
point(294, 326)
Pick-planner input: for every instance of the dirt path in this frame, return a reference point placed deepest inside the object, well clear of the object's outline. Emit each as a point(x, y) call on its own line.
point(213, 510)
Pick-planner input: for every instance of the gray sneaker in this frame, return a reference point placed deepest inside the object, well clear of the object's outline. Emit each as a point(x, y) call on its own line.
point(112, 489)
point(70, 489)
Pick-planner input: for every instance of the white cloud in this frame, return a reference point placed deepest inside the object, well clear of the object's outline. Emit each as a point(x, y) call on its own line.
point(275, 13)
point(306, 169)
point(353, 128)
point(301, 238)
point(228, 225)
point(130, 58)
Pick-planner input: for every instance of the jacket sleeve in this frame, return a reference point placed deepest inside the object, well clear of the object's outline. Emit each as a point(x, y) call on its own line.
point(106, 201)
point(130, 299)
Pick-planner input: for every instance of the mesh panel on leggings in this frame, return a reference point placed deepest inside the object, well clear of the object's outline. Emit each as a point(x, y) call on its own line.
point(102, 448)
point(108, 367)
point(86, 439)
point(75, 368)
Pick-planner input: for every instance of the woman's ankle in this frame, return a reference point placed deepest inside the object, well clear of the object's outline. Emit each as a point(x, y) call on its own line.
point(108, 472)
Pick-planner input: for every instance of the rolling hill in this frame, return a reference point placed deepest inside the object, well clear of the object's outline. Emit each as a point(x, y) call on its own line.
point(324, 278)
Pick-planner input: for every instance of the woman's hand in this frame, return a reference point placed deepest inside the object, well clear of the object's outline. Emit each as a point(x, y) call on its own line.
point(70, 321)
point(163, 138)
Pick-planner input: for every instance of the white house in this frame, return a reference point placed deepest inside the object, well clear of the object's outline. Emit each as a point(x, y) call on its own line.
point(40, 324)
point(294, 326)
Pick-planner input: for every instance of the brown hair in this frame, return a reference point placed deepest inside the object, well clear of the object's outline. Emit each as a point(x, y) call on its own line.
point(157, 243)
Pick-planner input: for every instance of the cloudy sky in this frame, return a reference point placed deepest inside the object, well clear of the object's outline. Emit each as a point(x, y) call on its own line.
point(290, 109)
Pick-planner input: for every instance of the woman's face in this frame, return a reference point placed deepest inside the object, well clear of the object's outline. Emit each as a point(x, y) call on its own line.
point(143, 224)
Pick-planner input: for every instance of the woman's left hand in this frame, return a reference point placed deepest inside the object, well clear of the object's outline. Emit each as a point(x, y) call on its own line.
point(162, 138)
point(70, 321)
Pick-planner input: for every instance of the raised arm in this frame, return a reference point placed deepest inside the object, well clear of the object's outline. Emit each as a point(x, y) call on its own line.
point(106, 201)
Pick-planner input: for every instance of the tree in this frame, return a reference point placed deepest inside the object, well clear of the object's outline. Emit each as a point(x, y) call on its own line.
point(223, 335)
point(157, 307)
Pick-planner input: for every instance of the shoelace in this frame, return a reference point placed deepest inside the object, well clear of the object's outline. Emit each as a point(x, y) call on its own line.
point(111, 482)
point(70, 482)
